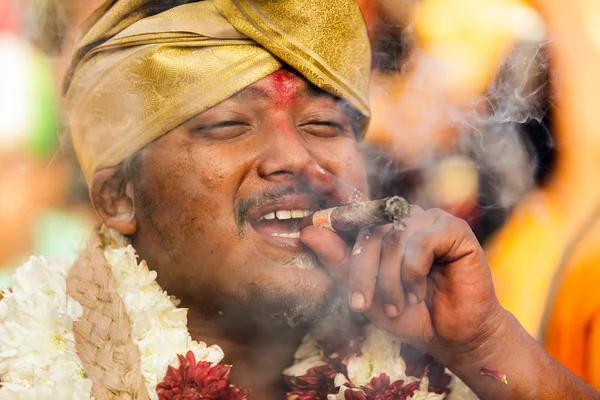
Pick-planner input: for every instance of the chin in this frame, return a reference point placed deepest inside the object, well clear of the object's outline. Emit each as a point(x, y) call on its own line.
point(295, 298)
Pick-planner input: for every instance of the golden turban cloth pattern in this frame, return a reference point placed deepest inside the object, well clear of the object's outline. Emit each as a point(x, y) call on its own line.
point(143, 67)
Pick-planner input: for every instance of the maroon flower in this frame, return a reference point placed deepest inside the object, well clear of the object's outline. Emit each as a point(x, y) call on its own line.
point(419, 364)
point(195, 381)
point(338, 347)
point(316, 384)
point(380, 388)
point(342, 343)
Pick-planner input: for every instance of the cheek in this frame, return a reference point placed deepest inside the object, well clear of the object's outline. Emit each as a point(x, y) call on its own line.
point(195, 187)
point(346, 162)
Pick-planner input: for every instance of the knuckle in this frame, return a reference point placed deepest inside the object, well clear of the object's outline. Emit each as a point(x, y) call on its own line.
point(415, 255)
point(340, 261)
point(392, 241)
point(438, 212)
point(440, 217)
point(387, 285)
point(390, 290)
point(363, 277)
point(464, 225)
point(377, 232)
point(457, 225)
point(417, 243)
point(413, 275)
point(415, 210)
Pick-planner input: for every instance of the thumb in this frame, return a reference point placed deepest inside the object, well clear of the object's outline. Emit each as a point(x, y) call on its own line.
point(330, 249)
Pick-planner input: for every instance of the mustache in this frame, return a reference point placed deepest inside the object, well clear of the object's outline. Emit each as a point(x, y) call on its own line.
point(242, 207)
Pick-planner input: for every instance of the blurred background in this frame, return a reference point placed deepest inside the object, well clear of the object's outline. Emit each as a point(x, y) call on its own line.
point(485, 108)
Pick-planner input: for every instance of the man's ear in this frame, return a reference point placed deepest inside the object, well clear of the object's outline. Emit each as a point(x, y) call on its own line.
point(112, 197)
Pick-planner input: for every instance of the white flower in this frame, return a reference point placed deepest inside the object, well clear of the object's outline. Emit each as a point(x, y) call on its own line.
point(424, 394)
point(308, 348)
point(309, 354)
point(419, 395)
point(37, 346)
point(339, 395)
point(380, 354)
point(300, 368)
point(339, 380)
point(63, 389)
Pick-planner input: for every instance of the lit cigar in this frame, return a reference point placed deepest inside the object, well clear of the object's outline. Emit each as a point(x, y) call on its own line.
point(353, 217)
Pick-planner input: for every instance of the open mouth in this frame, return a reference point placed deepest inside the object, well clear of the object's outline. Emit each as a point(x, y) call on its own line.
point(281, 223)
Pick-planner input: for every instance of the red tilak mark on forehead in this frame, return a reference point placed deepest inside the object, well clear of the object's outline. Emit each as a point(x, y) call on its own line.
point(284, 86)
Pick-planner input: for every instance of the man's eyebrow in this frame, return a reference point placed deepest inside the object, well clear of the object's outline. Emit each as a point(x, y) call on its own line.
point(313, 91)
point(250, 93)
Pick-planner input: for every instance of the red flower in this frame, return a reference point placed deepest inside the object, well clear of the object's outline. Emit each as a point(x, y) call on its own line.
point(195, 381)
point(419, 364)
point(316, 384)
point(382, 389)
point(342, 343)
point(338, 347)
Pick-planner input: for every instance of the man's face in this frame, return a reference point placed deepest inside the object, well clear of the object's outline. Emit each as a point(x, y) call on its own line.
point(217, 199)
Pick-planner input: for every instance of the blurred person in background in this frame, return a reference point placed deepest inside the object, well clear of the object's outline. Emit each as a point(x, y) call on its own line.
point(446, 129)
point(546, 259)
point(38, 195)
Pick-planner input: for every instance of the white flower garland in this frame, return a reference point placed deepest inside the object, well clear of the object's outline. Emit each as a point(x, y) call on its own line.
point(379, 353)
point(158, 327)
point(38, 359)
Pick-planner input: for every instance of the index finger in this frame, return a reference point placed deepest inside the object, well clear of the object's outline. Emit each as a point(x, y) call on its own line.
point(364, 267)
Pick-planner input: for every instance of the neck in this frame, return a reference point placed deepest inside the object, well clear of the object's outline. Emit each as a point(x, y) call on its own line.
point(258, 354)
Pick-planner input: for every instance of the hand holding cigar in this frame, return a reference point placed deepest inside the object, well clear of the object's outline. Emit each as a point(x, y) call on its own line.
point(353, 217)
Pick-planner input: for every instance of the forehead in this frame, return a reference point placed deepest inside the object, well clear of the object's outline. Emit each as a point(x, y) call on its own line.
point(281, 85)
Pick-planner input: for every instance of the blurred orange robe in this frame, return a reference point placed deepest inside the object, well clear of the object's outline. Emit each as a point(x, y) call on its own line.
point(547, 272)
point(572, 331)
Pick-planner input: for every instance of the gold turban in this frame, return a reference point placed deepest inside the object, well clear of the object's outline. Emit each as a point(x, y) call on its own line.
point(143, 67)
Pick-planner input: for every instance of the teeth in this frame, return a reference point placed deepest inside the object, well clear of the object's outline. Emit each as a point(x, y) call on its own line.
point(286, 214)
point(283, 214)
point(293, 235)
point(297, 213)
point(280, 234)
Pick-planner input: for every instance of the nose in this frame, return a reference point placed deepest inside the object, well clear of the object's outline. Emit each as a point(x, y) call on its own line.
point(285, 157)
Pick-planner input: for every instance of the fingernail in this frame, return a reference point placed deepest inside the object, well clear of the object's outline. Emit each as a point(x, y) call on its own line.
point(412, 299)
point(357, 302)
point(391, 311)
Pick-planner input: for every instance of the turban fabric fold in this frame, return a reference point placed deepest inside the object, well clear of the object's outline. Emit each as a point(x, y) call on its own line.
point(143, 67)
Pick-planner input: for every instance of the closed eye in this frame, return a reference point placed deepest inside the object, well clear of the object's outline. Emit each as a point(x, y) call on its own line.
point(325, 123)
point(222, 130)
point(224, 124)
point(324, 128)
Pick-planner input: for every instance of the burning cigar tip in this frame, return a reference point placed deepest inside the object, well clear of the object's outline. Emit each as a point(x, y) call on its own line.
point(397, 208)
